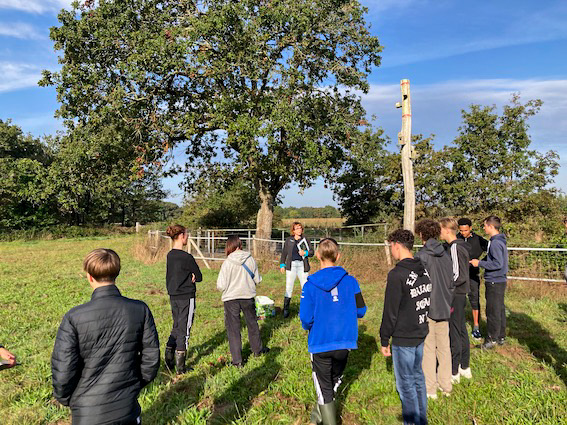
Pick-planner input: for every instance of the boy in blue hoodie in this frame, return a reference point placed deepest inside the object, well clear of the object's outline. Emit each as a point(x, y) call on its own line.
point(495, 266)
point(331, 303)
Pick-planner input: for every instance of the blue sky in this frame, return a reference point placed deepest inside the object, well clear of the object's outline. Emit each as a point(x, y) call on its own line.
point(454, 52)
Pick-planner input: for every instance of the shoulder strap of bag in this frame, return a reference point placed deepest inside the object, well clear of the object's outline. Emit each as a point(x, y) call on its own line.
point(248, 270)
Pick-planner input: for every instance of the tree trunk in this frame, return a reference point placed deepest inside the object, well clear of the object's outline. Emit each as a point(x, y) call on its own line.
point(264, 221)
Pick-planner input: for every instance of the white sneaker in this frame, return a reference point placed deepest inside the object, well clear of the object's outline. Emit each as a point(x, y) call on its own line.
point(465, 373)
point(455, 379)
point(432, 396)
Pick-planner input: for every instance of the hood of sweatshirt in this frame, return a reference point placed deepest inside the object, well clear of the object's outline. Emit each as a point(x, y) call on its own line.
point(434, 247)
point(412, 264)
point(238, 257)
point(500, 236)
point(327, 278)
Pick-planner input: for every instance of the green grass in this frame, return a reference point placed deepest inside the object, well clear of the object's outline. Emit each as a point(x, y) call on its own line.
point(521, 383)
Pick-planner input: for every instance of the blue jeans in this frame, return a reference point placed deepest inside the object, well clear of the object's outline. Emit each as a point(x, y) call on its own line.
point(410, 383)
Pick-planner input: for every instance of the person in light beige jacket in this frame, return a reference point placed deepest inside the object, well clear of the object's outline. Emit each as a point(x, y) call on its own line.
point(237, 281)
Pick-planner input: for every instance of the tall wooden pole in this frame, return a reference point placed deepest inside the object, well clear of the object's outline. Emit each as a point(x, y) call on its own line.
point(404, 139)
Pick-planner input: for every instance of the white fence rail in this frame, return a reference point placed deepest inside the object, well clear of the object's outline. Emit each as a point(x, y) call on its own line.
point(546, 263)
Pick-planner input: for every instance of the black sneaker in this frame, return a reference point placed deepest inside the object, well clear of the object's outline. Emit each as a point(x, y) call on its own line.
point(237, 365)
point(488, 345)
point(501, 341)
point(264, 350)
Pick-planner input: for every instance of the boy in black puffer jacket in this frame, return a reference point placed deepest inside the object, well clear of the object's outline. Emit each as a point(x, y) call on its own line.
point(106, 350)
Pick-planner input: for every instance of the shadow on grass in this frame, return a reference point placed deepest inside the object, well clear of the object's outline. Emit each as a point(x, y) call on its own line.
point(358, 360)
point(176, 398)
point(189, 390)
point(236, 400)
point(539, 341)
point(207, 347)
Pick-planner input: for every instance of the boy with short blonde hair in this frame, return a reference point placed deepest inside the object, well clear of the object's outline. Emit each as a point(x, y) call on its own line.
point(331, 303)
point(106, 350)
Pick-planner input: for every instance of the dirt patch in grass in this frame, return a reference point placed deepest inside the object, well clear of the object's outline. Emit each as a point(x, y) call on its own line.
point(515, 354)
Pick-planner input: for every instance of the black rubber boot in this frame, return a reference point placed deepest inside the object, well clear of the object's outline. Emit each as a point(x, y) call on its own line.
point(329, 413)
point(180, 362)
point(170, 358)
point(286, 302)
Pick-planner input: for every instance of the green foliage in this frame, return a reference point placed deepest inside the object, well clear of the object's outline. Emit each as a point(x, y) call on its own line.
point(92, 180)
point(489, 168)
point(221, 204)
point(307, 212)
point(262, 85)
point(490, 165)
point(23, 161)
point(369, 188)
point(84, 177)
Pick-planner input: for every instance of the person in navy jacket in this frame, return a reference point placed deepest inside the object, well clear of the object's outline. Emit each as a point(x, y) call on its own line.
point(331, 303)
point(495, 266)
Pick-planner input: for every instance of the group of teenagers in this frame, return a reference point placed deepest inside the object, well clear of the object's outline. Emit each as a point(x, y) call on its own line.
point(107, 349)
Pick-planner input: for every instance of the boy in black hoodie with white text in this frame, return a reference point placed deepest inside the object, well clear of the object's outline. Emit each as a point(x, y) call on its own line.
point(404, 319)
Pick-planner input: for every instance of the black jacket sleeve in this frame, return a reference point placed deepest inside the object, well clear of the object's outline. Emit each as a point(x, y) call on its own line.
point(463, 258)
point(392, 301)
point(66, 363)
point(311, 251)
point(194, 267)
point(150, 349)
point(284, 255)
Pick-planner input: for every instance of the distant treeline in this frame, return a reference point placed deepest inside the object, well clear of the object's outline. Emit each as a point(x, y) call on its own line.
point(84, 179)
point(307, 212)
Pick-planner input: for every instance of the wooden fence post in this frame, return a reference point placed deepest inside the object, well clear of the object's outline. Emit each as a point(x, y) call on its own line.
point(404, 139)
point(388, 256)
point(201, 254)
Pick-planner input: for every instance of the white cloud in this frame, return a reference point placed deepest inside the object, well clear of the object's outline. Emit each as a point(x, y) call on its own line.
point(436, 109)
point(19, 30)
point(35, 6)
point(15, 76)
point(457, 95)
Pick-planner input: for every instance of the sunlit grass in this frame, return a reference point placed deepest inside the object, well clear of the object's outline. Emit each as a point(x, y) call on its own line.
point(521, 383)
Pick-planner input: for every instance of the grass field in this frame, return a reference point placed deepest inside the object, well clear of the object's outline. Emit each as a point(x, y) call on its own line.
point(523, 382)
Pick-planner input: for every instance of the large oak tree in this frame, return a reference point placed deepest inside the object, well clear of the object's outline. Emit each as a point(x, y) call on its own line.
point(264, 85)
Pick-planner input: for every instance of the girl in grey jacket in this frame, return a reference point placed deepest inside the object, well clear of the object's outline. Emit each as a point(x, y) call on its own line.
point(237, 280)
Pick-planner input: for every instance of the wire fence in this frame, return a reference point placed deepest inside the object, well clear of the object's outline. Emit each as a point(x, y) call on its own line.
point(538, 264)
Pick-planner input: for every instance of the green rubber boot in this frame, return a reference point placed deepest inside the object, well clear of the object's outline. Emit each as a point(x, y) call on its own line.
point(329, 413)
point(316, 417)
